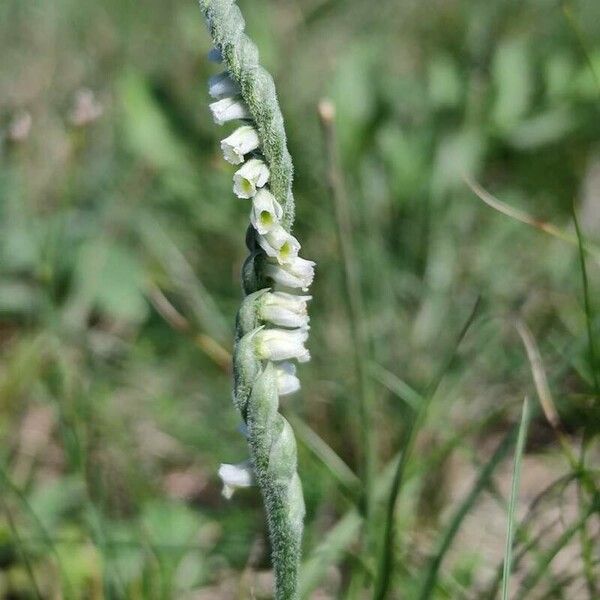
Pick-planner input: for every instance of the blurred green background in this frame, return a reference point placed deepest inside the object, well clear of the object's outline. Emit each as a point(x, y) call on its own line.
point(120, 248)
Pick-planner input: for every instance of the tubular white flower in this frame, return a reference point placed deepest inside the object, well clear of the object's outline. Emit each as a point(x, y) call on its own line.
point(243, 140)
point(222, 85)
point(214, 55)
point(228, 109)
point(287, 382)
point(279, 244)
point(298, 273)
point(254, 174)
point(266, 212)
point(282, 344)
point(235, 477)
point(284, 310)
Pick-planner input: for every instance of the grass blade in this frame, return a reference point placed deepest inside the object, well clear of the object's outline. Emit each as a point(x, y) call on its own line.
point(354, 298)
point(480, 484)
point(589, 316)
point(329, 552)
point(338, 469)
point(409, 438)
point(523, 217)
point(510, 531)
point(586, 543)
point(562, 541)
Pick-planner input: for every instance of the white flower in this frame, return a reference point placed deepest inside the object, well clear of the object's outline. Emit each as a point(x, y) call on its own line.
point(215, 55)
point(298, 273)
point(222, 85)
point(234, 477)
point(228, 109)
point(266, 212)
point(287, 382)
point(282, 344)
point(284, 310)
point(254, 174)
point(279, 244)
point(243, 140)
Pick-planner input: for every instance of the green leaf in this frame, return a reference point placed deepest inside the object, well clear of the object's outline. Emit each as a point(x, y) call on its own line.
point(513, 79)
point(111, 279)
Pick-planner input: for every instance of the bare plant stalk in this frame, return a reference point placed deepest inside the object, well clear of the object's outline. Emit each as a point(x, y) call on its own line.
point(358, 322)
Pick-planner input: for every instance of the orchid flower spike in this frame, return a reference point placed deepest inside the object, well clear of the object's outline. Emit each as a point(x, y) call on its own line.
point(272, 325)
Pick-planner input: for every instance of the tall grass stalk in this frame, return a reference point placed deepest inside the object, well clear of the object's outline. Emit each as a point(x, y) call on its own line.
point(514, 493)
point(385, 567)
point(358, 321)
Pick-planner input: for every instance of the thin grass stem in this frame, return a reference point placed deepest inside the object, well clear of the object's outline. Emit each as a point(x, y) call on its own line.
point(514, 493)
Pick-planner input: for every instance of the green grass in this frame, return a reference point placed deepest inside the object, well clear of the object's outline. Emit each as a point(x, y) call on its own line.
point(514, 496)
point(120, 250)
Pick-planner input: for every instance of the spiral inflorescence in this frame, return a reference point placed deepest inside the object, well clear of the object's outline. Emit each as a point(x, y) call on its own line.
point(272, 323)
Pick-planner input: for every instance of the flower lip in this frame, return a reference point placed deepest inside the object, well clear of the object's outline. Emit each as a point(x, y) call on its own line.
point(279, 244)
point(235, 477)
point(287, 382)
point(253, 175)
point(265, 216)
point(241, 142)
point(298, 273)
point(222, 85)
point(228, 109)
point(284, 310)
point(282, 344)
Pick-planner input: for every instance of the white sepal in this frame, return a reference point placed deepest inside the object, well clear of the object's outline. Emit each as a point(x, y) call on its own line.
point(228, 109)
point(287, 382)
point(279, 244)
point(235, 477)
point(298, 273)
point(252, 175)
point(284, 310)
point(282, 344)
point(266, 212)
point(242, 141)
point(222, 85)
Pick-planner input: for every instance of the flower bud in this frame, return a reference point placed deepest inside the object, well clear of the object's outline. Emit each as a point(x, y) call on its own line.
point(279, 244)
point(214, 55)
point(282, 344)
point(243, 140)
point(287, 382)
point(266, 212)
point(254, 174)
point(235, 477)
point(298, 273)
point(284, 310)
point(222, 85)
point(228, 109)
